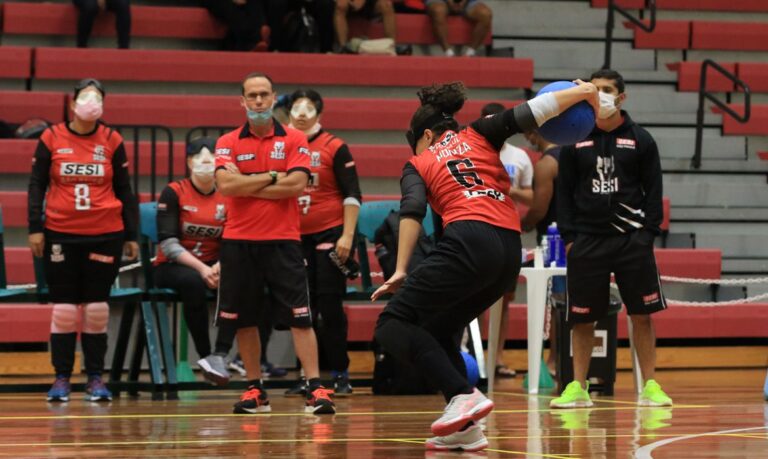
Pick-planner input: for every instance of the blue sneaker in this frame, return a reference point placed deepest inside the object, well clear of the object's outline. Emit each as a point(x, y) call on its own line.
point(60, 390)
point(96, 391)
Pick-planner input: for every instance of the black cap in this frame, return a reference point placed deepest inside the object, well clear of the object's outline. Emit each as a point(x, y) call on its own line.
point(196, 145)
point(84, 83)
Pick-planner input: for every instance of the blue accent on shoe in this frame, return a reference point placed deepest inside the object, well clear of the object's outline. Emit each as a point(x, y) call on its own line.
point(60, 390)
point(335, 374)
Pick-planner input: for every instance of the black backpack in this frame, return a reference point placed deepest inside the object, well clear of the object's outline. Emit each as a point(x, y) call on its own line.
point(386, 238)
point(301, 32)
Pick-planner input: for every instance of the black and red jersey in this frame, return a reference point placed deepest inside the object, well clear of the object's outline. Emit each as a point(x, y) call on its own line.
point(466, 180)
point(283, 150)
point(196, 219)
point(84, 182)
point(333, 178)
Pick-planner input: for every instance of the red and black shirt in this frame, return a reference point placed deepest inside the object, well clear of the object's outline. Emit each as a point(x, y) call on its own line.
point(333, 179)
point(84, 182)
point(282, 150)
point(195, 218)
point(462, 176)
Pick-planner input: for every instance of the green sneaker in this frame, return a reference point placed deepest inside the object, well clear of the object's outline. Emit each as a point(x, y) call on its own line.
point(653, 395)
point(572, 397)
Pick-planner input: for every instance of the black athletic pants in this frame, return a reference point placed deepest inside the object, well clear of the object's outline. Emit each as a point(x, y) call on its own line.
point(193, 292)
point(89, 9)
point(470, 268)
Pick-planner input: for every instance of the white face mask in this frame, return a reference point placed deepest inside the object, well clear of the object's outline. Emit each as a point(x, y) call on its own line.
point(203, 163)
point(607, 105)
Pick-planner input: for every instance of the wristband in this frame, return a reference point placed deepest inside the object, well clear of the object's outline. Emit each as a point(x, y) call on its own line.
point(273, 174)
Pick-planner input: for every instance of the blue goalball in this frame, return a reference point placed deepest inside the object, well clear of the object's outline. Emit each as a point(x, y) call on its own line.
point(571, 126)
point(473, 372)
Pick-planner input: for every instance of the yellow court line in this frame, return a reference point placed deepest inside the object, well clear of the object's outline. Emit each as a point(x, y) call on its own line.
point(599, 400)
point(301, 414)
point(353, 440)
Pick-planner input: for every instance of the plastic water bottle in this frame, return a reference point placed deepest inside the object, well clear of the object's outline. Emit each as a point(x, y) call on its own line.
point(556, 247)
point(545, 250)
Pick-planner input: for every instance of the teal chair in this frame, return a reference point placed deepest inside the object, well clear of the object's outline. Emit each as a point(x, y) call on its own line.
point(8, 295)
point(372, 215)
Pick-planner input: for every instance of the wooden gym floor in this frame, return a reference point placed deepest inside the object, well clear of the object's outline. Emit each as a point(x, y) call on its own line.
point(718, 413)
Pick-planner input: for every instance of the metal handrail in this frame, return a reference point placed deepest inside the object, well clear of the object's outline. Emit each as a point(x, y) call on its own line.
point(650, 4)
point(703, 93)
point(136, 135)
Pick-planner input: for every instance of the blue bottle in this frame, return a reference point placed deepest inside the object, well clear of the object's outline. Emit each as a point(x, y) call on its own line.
point(556, 247)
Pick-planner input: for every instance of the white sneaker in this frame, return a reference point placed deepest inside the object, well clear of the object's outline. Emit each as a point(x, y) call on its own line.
point(214, 369)
point(450, 52)
point(462, 409)
point(471, 439)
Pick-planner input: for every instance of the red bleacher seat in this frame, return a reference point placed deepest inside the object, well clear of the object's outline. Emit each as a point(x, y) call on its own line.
point(698, 5)
point(285, 68)
point(754, 74)
point(666, 35)
point(15, 62)
point(179, 111)
point(689, 74)
point(737, 36)
point(146, 21)
point(698, 263)
point(416, 29)
point(757, 124)
point(19, 106)
point(25, 323)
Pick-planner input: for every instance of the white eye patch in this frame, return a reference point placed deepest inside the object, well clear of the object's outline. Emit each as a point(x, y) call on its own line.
point(88, 96)
point(303, 107)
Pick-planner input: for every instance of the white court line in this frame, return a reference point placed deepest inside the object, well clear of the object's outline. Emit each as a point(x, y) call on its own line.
point(645, 451)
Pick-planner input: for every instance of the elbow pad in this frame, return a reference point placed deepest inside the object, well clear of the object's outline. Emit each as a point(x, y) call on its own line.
point(172, 248)
point(544, 107)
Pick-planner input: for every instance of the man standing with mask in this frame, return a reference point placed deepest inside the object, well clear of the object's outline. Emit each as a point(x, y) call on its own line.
point(609, 208)
point(262, 167)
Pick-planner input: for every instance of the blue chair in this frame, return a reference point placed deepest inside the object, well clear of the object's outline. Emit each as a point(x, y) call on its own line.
point(6, 294)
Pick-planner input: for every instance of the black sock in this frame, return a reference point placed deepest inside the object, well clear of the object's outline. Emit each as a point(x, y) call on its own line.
point(314, 383)
point(63, 352)
point(467, 426)
point(256, 384)
point(94, 349)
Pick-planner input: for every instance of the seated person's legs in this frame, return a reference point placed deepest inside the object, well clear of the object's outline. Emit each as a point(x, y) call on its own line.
point(481, 15)
point(438, 13)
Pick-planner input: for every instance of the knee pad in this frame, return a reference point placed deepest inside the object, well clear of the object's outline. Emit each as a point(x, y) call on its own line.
point(95, 317)
point(64, 318)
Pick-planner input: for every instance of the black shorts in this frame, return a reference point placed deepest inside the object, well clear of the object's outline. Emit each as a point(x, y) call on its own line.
point(248, 268)
point(592, 259)
point(322, 274)
point(81, 271)
point(471, 267)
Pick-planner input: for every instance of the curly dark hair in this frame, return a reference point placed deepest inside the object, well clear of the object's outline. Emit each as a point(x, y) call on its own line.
point(446, 99)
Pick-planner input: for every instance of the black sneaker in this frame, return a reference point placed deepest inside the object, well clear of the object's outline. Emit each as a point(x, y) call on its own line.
point(341, 386)
point(299, 389)
point(321, 402)
point(253, 401)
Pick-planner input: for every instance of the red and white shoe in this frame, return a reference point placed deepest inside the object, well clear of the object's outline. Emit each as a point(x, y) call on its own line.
point(462, 409)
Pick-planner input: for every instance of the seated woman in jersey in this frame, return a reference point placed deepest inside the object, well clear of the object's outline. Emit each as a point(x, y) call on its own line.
point(88, 221)
point(190, 221)
point(329, 208)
